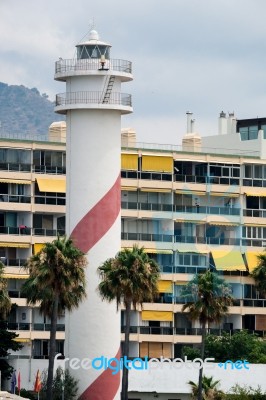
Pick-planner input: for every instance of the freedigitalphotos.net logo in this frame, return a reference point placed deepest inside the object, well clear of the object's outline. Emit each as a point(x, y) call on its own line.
point(117, 364)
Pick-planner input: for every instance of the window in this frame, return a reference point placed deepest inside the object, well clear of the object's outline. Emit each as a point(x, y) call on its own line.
point(249, 132)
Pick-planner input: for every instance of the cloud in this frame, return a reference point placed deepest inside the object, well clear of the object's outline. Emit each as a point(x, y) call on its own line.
point(187, 54)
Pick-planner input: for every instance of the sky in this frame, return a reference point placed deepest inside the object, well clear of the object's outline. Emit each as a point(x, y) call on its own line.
point(202, 56)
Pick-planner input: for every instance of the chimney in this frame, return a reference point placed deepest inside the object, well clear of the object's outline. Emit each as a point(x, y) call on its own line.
point(189, 121)
point(222, 124)
point(57, 132)
point(128, 137)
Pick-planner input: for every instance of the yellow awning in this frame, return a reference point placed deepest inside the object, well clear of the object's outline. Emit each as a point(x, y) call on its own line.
point(257, 225)
point(157, 163)
point(129, 188)
point(223, 223)
point(224, 194)
point(252, 259)
point(165, 287)
point(18, 181)
point(228, 261)
point(157, 316)
point(21, 340)
point(193, 251)
point(158, 251)
point(256, 194)
point(14, 244)
point(15, 276)
point(52, 185)
point(129, 161)
point(194, 193)
point(38, 247)
point(155, 190)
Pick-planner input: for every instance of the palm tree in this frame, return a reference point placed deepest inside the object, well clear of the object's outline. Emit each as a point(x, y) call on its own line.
point(57, 281)
point(259, 274)
point(209, 389)
point(208, 297)
point(5, 302)
point(130, 278)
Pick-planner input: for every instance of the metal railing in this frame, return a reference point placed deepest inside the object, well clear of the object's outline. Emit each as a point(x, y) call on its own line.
point(154, 330)
point(16, 262)
point(64, 99)
point(207, 240)
point(17, 198)
point(150, 237)
point(47, 169)
point(91, 64)
point(26, 326)
point(254, 213)
point(57, 201)
point(18, 167)
point(9, 230)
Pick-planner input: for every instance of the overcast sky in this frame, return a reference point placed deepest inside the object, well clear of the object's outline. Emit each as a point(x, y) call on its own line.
point(204, 56)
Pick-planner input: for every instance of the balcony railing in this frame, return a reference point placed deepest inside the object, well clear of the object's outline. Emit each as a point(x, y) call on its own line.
point(9, 230)
point(154, 330)
point(178, 208)
point(207, 240)
point(47, 169)
point(19, 167)
point(25, 326)
point(64, 99)
point(254, 213)
point(16, 262)
point(149, 237)
point(72, 65)
point(57, 201)
point(17, 198)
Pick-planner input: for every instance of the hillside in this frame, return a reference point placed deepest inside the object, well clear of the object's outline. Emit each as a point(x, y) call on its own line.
point(25, 111)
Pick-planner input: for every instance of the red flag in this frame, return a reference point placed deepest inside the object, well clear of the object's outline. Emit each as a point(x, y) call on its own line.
point(19, 381)
point(38, 383)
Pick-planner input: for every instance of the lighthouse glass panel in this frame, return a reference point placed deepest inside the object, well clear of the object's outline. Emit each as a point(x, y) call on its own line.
point(92, 51)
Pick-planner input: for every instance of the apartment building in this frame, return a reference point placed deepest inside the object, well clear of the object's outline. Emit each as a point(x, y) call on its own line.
point(192, 207)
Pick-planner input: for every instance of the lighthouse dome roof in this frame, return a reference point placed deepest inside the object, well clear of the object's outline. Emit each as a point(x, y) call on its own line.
point(94, 39)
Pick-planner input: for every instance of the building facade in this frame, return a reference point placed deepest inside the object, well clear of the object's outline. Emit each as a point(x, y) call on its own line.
point(190, 206)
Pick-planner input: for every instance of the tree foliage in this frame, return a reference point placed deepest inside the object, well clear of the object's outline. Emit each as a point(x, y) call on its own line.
point(63, 380)
point(57, 281)
point(130, 278)
point(7, 341)
point(239, 346)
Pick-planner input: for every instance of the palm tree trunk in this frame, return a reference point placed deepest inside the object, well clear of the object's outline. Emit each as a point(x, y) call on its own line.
point(202, 349)
point(49, 391)
point(124, 392)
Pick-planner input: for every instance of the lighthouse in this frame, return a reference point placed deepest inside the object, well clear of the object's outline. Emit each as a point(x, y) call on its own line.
point(93, 104)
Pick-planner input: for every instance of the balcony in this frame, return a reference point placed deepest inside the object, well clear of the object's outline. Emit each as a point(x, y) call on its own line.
point(254, 213)
point(152, 330)
point(127, 205)
point(16, 262)
point(47, 169)
point(25, 326)
point(207, 240)
point(50, 200)
point(68, 67)
point(216, 180)
point(207, 210)
point(18, 167)
point(9, 230)
point(15, 198)
point(93, 100)
point(149, 237)
point(130, 205)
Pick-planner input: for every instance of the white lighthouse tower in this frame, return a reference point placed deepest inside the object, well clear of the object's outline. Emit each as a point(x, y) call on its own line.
point(93, 104)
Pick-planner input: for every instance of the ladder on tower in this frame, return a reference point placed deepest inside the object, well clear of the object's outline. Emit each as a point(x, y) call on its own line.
point(109, 88)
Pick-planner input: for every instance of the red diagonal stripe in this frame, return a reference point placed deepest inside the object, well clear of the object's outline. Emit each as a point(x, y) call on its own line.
point(105, 387)
point(98, 220)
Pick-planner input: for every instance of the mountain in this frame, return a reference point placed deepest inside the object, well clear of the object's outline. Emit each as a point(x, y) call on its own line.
point(25, 111)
